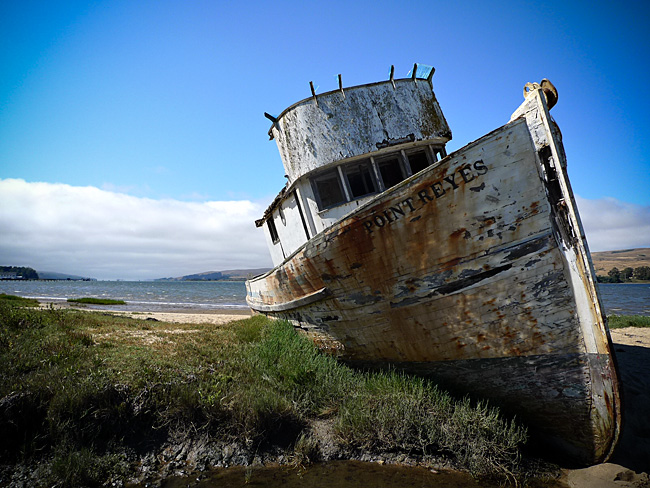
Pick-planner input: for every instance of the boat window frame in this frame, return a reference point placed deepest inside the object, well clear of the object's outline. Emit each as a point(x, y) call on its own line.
point(388, 156)
point(418, 150)
point(433, 153)
point(371, 172)
point(439, 152)
point(273, 230)
point(327, 174)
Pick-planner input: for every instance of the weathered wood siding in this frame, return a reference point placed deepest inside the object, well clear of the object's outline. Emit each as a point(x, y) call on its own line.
point(275, 249)
point(342, 124)
point(289, 225)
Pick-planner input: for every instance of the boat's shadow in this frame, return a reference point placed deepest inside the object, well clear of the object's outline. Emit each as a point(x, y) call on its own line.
point(633, 450)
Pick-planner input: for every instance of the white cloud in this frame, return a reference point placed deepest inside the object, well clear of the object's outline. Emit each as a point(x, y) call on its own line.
point(92, 232)
point(611, 224)
point(107, 235)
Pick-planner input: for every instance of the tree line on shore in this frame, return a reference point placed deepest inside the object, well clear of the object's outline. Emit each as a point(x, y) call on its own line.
point(18, 272)
point(614, 275)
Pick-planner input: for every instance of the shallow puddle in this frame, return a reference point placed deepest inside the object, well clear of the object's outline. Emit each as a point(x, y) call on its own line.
point(335, 474)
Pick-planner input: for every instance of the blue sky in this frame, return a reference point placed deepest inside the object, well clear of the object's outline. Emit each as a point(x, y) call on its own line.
point(161, 103)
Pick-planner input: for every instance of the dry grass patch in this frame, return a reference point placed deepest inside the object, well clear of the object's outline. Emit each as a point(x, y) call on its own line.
point(146, 337)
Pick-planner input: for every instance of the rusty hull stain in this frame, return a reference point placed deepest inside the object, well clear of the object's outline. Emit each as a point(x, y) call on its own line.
point(459, 273)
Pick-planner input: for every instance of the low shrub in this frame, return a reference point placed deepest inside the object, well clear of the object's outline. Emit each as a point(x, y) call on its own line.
point(620, 321)
point(97, 301)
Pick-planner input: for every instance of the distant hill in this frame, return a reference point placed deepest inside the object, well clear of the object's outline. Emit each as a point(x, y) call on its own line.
point(627, 258)
point(603, 262)
point(227, 275)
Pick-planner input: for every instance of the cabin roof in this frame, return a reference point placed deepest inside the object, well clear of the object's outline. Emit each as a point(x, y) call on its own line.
point(418, 72)
point(275, 203)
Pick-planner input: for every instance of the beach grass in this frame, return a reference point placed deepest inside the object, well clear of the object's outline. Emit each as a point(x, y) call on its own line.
point(96, 301)
point(82, 388)
point(621, 321)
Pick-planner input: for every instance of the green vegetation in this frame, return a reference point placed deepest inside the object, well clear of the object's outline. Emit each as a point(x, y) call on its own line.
point(19, 301)
point(396, 412)
point(81, 389)
point(97, 301)
point(627, 275)
point(620, 321)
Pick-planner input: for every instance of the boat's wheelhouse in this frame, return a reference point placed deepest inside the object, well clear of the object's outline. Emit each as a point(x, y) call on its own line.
point(342, 148)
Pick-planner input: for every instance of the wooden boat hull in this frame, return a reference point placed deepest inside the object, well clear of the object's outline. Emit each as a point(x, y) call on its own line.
point(473, 272)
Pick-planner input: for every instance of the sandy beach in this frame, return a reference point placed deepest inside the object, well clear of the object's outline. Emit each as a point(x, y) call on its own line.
point(216, 317)
point(212, 316)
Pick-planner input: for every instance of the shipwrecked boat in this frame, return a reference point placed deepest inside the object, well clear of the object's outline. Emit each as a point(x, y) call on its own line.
point(470, 268)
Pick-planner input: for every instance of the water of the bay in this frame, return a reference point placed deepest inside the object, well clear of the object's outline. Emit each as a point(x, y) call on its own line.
point(140, 296)
point(337, 474)
point(168, 296)
point(625, 298)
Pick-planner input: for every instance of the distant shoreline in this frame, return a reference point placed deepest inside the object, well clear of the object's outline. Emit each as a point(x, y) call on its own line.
point(640, 282)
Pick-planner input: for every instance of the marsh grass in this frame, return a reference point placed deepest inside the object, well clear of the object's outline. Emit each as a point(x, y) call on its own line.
point(620, 321)
point(398, 412)
point(89, 384)
point(83, 467)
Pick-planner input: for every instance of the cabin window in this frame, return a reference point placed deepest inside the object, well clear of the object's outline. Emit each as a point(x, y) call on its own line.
point(418, 160)
point(391, 171)
point(360, 179)
point(439, 152)
point(354, 180)
point(272, 230)
point(328, 190)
